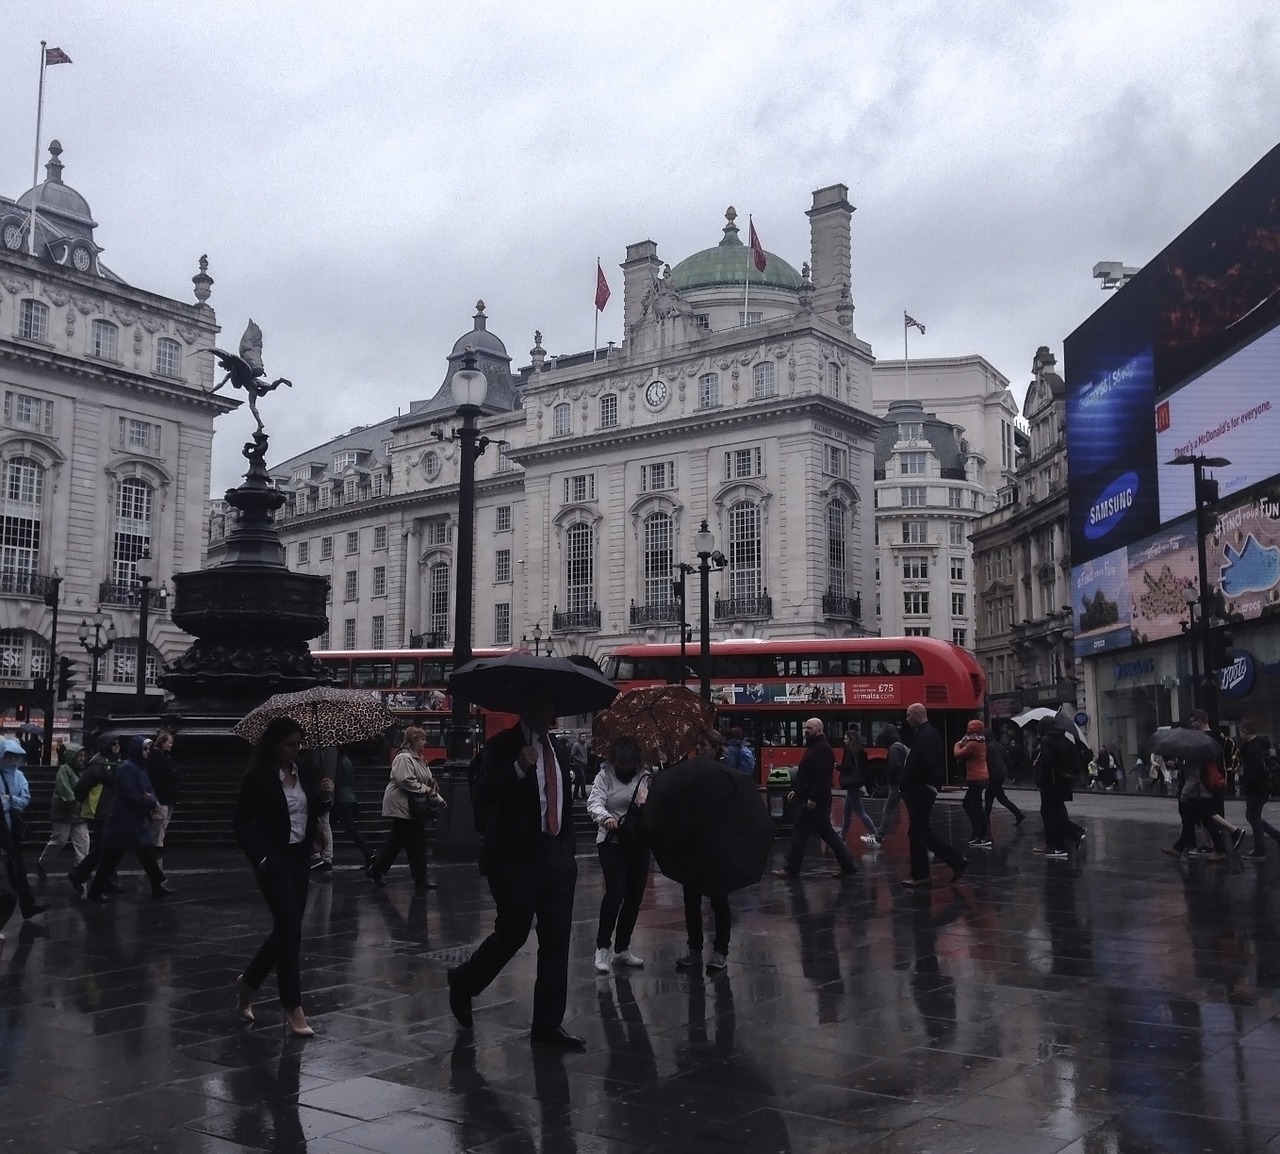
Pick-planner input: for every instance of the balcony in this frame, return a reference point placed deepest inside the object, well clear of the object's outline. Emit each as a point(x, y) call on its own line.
point(841, 606)
point(130, 596)
point(575, 620)
point(432, 639)
point(658, 613)
point(751, 605)
point(24, 583)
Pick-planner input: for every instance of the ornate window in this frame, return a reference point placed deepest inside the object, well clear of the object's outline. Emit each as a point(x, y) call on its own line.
point(438, 599)
point(658, 559)
point(915, 567)
point(915, 604)
point(20, 534)
point(168, 357)
point(955, 533)
point(580, 568)
point(708, 391)
point(123, 669)
point(609, 411)
point(33, 321)
point(133, 531)
point(915, 496)
point(22, 654)
point(562, 419)
point(915, 532)
point(765, 385)
point(833, 379)
point(746, 576)
point(837, 560)
point(31, 412)
point(104, 340)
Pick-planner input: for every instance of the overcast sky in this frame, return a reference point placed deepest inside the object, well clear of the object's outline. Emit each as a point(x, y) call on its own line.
point(360, 174)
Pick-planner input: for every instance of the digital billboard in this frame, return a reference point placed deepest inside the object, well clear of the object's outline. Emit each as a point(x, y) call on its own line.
point(1103, 609)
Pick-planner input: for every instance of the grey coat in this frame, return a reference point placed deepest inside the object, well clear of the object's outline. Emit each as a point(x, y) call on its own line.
point(409, 774)
point(610, 798)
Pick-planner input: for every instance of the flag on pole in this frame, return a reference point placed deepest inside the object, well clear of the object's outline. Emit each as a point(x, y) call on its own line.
point(757, 249)
point(910, 322)
point(56, 56)
point(602, 289)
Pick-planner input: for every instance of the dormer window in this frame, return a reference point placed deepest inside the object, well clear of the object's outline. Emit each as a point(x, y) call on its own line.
point(345, 459)
point(911, 431)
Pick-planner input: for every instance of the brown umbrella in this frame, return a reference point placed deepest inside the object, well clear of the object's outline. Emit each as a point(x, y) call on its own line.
point(662, 718)
point(329, 717)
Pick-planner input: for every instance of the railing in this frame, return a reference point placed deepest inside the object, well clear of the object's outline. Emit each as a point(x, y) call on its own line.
point(658, 613)
point(840, 605)
point(435, 639)
point(24, 583)
point(738, 608)
point(129, 596)
point(572, 620)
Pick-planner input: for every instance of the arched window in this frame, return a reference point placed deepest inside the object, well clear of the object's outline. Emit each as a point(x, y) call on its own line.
point(168, 357)
point(837, 561)
point(708, 391)
point(33, 321)
point(104, 340)
point(658, 559)
point(20, 534)
point(562, 419)
point(746, 578)
point(124, 664)
point(438, 599)
point(133, 532)
point(23, 654)
point(764, 380)
point(580, 568)
point(833, 379)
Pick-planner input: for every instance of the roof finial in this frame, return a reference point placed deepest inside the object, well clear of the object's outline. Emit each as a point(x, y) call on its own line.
point(537, 353)
point(730, 228)
point(480, 319)
point(53, 166)
point(202, 280)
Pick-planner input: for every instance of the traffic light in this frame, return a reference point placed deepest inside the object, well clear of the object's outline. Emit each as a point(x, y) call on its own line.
point(20, 712)
point(1220, 640)
point(65, 681)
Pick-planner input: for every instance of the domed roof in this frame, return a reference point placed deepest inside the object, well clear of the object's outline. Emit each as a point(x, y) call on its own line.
point(479, 338)
point(729, 263)
point(54, 196)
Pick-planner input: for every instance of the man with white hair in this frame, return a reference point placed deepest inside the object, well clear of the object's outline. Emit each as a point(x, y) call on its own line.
point(811, 793)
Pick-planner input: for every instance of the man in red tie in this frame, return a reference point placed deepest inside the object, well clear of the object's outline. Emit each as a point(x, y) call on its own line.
point(525, 790)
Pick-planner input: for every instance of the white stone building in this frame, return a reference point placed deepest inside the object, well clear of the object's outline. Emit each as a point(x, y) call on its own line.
point(105, 439)
point(751, 413)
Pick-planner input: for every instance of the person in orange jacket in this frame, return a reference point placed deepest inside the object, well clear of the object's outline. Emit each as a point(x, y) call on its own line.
point(971, 749)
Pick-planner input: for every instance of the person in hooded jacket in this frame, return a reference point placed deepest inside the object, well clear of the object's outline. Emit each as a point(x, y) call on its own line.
point(1255, 784)
point(891, 740)
point(15, 796)
point(998, 771)
point(96, 791)
point(129, 826)
point(971, 751)
point(66, 818)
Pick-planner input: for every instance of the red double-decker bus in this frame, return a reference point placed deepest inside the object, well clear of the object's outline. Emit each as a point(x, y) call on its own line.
point(413, 683)
point(768, 688)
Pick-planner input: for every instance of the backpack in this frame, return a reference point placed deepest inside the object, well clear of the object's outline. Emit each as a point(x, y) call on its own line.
point(1212, 777)
point(740, 756)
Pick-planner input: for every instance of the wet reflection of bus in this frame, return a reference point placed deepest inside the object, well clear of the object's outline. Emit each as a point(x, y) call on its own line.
point(413, 684)
point(769, 688)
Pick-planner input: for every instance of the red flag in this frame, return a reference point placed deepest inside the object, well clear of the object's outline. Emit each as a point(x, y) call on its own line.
point(757, 249)
point(56, 56)
point(602, 289)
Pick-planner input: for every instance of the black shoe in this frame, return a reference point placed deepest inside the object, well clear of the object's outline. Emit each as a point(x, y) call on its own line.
point(35, 911)
point(75, 885)
point(1238, 837)
point(957, 871)
point(374, 876)
point(41, 872)
point(844, 873)
point(160, 893)
point(459, 1001)
point(786, 873)
point(1017, 821)
point(113, 888)
point(426, 885)
point(97, 896)
point(321, 866)
point(558, 1037)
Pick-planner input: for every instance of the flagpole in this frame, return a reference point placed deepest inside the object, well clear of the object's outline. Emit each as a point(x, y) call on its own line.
point(746, 292)
point(35, 162)
point(906, 359)
point(595, 339)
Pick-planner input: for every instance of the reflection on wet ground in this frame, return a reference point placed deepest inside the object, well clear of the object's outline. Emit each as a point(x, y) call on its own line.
point(1120, 1004)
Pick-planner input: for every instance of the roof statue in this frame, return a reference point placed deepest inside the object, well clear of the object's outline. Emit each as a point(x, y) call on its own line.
point(246, 371)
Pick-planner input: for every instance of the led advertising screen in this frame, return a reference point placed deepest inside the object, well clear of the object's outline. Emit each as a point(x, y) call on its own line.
point(1244, 555)
point(1103, 609)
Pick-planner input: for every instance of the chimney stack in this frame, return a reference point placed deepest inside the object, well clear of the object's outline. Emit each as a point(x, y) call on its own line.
point(830, 252)
point(639, 271)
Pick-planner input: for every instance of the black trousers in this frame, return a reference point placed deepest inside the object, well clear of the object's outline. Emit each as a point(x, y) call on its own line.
point(113, 855)
point(410, 836)
point(15, 870)
point(626, 871)
point(345, 814)
point(973, 808)
point(996, 793)
point(1053, 812)
point(920, 836)
point(283, 880)
point(722, 919)
point(526, 891)
point(82, 872)
point(811, 821)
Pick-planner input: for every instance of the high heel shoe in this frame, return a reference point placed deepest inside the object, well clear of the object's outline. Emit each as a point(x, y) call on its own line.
point(244, 1000)
point(295, 1023)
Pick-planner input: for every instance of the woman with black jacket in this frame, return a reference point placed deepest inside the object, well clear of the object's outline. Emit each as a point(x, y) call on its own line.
point(275, 824)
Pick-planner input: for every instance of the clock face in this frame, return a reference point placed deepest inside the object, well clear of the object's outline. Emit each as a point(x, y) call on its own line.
point(655, 396)
point(13, 236)
point(81, 259)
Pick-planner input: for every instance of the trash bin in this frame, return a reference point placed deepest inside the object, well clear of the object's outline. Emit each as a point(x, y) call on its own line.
point(776, 790)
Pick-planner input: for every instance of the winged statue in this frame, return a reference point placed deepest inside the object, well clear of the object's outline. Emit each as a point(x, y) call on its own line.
point(245, 370)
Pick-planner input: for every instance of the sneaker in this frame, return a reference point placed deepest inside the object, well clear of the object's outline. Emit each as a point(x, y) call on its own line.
point(627, 958)
point(716, 962)
point(1171, 851)
point(321, 866)
point(974, 841)
point(984, 843)
point(602, 960)
point(1199, 851)
point(1258, 855)
point(1238, 837)
point(1057, 854)
point(690, 959)
point(870, 839)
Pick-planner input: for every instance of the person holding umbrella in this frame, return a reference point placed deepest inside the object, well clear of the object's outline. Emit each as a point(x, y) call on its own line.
point(811, 793)
point(707, 746)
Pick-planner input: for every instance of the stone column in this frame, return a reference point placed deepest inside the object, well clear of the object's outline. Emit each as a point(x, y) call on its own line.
point(639, 271)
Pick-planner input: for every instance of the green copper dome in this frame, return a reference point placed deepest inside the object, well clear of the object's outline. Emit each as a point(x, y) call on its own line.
point(730, 263)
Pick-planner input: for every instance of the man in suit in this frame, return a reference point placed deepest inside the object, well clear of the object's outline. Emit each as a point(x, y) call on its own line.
point(524, 792)
point(923, 775)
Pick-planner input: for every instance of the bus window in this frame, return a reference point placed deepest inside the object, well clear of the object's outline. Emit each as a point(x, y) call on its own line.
point(738, 667)
point(340, 670)
point(382, 674)
point(433, 674)
point(362, 675)
point(406, 673)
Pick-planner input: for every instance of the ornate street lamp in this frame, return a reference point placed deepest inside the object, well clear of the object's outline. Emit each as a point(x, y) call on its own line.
point(704, 545)
point(95, 650)
point(145, 570)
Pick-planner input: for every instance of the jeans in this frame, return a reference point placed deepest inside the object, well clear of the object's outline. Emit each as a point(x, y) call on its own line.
point(1253, 803)
point(890, 811)
point(626, 871)
point(974, 810)
point(817, 820)
point(853, 805)
point(721, 916)
point(920, 836)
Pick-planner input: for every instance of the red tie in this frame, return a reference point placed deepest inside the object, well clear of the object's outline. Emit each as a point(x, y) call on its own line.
point(551, 774)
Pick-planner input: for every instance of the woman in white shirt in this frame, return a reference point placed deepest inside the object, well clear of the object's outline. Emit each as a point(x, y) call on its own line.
point(410, 777)
point(622, 781)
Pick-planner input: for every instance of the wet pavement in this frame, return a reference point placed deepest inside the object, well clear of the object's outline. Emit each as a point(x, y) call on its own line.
point(1122, 1002)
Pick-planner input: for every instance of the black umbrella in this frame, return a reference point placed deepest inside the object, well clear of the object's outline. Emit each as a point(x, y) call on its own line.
point(509, 682)
point(1188, 744)
point(707, 826)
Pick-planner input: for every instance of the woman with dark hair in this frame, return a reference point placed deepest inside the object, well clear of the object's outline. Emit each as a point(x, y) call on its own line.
point(275, 824)
point(411, 777)
point(621, 783)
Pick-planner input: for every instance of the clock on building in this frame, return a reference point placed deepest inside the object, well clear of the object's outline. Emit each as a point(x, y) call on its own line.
point(80, 258)
point(12, 236)
point(655, 394)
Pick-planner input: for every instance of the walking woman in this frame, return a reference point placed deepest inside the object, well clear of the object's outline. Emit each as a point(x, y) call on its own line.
point(621, 783)
point(129, 826)
point(709, 744)
point(411, 788)
point(971, 749)
point(853, 779)
point(65, 818)
point(275, 824)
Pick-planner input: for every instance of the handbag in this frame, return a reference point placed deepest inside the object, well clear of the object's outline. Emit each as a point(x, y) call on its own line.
point(422, 807)
point(630, 830)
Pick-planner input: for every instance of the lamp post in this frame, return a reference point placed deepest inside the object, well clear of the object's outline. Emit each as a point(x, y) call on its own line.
point(537, 640)
point(679, 586)
point(95, 652)
point(145, 569)
point(1206, 496)
point(457, 835)
point(708, 556)
point(51, 599)
point(1191, 598)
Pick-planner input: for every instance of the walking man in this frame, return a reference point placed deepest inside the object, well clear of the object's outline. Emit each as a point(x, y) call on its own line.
point(922, 777)
point(580, 755)
point(811, 793)
point(1057, 764)
point(998, 772)
point(1256, 787)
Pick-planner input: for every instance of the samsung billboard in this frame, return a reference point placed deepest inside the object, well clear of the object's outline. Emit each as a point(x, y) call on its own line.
point(1182, 360)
